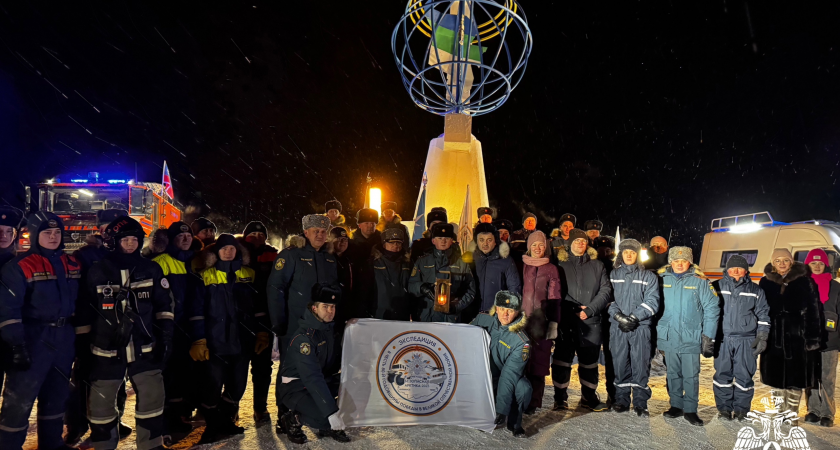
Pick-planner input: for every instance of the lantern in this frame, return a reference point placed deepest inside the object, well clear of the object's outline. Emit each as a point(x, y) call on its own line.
point(442, 291)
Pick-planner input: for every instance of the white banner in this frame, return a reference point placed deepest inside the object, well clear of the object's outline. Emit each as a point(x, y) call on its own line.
point(415, 373)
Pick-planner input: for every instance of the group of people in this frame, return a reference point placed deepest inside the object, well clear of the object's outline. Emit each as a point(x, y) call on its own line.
point(185, 316)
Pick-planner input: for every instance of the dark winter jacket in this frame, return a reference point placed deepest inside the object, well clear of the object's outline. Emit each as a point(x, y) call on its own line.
point(424, 245)
point(794, 323)
point(385, 284)
point(395, 222)
point(138, 282)
point(184, 283)
point(832, 317)
point(8, 254)
point(541, 294)
point(494, 272)
point(509, 354)
point(445, 265)
point(312, 358)
point(584, 282)
point(690, 310)
point(636, 292)
point(230, 307)
point(519, 240)
point(295, 272)
point(365, 244)
point(261, 260)
point(743, 307)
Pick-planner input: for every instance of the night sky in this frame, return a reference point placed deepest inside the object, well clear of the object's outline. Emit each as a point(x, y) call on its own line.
point(655, 116)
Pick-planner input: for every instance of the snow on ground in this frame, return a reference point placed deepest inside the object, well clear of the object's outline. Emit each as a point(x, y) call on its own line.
point(578, 428)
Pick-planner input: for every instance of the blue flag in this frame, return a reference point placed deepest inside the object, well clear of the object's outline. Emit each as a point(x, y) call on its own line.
point(420, 213)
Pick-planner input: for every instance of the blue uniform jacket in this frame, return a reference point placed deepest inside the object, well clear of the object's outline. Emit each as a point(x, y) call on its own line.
point(690, 309)
point(495, 272)
point(445, 265)
point(635, 290)
point(509, 353)
point(744, 308)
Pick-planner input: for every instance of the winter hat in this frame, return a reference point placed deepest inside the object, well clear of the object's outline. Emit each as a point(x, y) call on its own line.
point(817, 254)
point(332, 204)
point(676, 253)
point(41, 221)
point(436, 214)
point(630, 244)
point(366, 215)
point(315, 221)
point(10, 217)
point(603, 241)
point(737, 261)
point(126, 226)
point(568, 218)
point(202, 224)
point(593, 225)
point(223, 240)
point(389, 205)
point(255, 227)
point(527, 215)
point(781, 253)
point(106, 216)
point(337, 233)
point(536, 236)
point(504, 224)
point(393, 235)
point(443, 230)
point(486, 228)
point(329, 293)
point(577, 233)
point(485, 211)
point(509, 300)
point(177, 228)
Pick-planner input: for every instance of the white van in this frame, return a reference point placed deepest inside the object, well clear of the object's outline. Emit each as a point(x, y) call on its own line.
point(755, 236)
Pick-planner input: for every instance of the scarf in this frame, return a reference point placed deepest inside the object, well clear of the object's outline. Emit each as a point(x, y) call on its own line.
point(823, 281)
point(535, 262)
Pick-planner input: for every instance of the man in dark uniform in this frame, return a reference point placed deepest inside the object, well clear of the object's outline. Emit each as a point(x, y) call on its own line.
point(519, 238)
point(509, 353)
point(593, 229)
point(423, 244)
point(505, 228)
point(309, 374)
point(254, 239)
point(560, 236)
point(37, 300)
point(132, 322)
point(10, 219)
point(295, 272)
point(442, 263)
point(204, 233)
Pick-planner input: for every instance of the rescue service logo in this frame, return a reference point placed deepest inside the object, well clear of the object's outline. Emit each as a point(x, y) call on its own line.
point(417, 373)
point(771, 435)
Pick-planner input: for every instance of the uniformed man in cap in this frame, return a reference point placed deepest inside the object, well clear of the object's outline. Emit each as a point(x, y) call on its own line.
point(505, 227)
point(519, 238)
point(593, 229)
point(310, 377)
point(442, 263)
point(485, 214)
point(560, 236)
point(509, 353)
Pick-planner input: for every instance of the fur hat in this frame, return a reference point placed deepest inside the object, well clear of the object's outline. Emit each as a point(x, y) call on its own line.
point(255, 227)
point(177, 228)
point(366, 215)
point(436, 214)
point(816, 254)
point(338, 233)
point(329, 293)
point(603, 241)
point(509, 300)
point(593, 225)
point(389, 205)
point(630, 244)
point(504, 224)
point(486, 228)
point(10, 217)
point(485, 211)
point(106, 216)
point(676, 253)
point(332, 204)
point(740, 261)
point(443, 230)
point(315, 221)
point(528, 215)
point(568, 218)
point(393, 234)
point(577, 233)
point(202, 224)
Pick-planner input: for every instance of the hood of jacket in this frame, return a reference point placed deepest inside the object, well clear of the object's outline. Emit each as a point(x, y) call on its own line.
point(563, 255)
point(310, 321)
point(298, 241)
point(517, 325)
point(798, 270)
point(207, 258)
point(338, 222)
point(396, 220)
point(501, 251)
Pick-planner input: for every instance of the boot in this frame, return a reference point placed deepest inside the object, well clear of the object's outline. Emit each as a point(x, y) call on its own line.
point(517, 430)
point(74, 435)
point(725, 415)
point(812, 418)
point(594, 404)
point(338, 435)
point(293, 428)
point(740, 415)
point(641, 412)
point(262, 418)
point(693, 419)
point(174, 423)
point(826, 422)
point(560, 405)
point(673, 413)
point(123, 430)
point(620, 408)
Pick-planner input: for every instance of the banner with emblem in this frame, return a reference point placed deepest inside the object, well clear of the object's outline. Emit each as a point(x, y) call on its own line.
point(415, 373)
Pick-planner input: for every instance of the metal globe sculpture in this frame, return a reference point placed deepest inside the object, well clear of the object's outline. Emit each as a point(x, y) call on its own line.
point(461, 57)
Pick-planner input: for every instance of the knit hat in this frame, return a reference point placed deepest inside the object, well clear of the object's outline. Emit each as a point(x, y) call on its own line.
point(202, 224)
point(177, 228)
point(577, 233)
point(738, 261)
point(223, 240)
point(676, 253)
point(527, 215)
point(504, 224)
point(630, 244)
point(781, 253)
point(443, 230)
point(508, 299)
point(593, 225)
point(536, 236)
point(389, 205)
point(41, 221)
point(337, 233)
point(10, 217)
point(568, 218)
point(255, 227)
point(485, 211)
point(315, 221)
point(393, 234)
point(366, 215)
point(817, 254)
point(329, 293)
point(106, 216)
point(603, 241)
point(332, 204)
point(436, 214)
point(126, 226)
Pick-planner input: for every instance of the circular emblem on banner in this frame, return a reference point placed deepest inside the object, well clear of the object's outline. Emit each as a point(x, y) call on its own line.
point(417, 373)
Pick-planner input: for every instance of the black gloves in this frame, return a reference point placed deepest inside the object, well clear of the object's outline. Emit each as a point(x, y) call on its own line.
point(708, 347)
point(20, 357)
point(163, 347)
point(626, 323)
point(759, 343)
point(453, 305)
point(812, 344)
point(428, 289)
point(500, 419)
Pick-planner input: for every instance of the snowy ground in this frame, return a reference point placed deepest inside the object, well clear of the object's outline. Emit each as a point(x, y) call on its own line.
point(579, 429)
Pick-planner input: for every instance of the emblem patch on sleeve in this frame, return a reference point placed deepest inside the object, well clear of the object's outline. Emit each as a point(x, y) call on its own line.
point(414, 271)
point(280, 264)
point(525, 354)
point(164, 283)
point(304, 348)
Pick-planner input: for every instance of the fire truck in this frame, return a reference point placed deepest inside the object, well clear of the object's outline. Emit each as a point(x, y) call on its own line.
point(76, 201)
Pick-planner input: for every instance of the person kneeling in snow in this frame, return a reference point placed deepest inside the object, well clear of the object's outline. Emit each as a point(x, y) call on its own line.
point(509, 353)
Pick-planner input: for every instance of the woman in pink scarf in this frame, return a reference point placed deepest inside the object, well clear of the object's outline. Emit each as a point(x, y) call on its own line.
point(817, 260)
point(541, 305)
point(820, 401)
